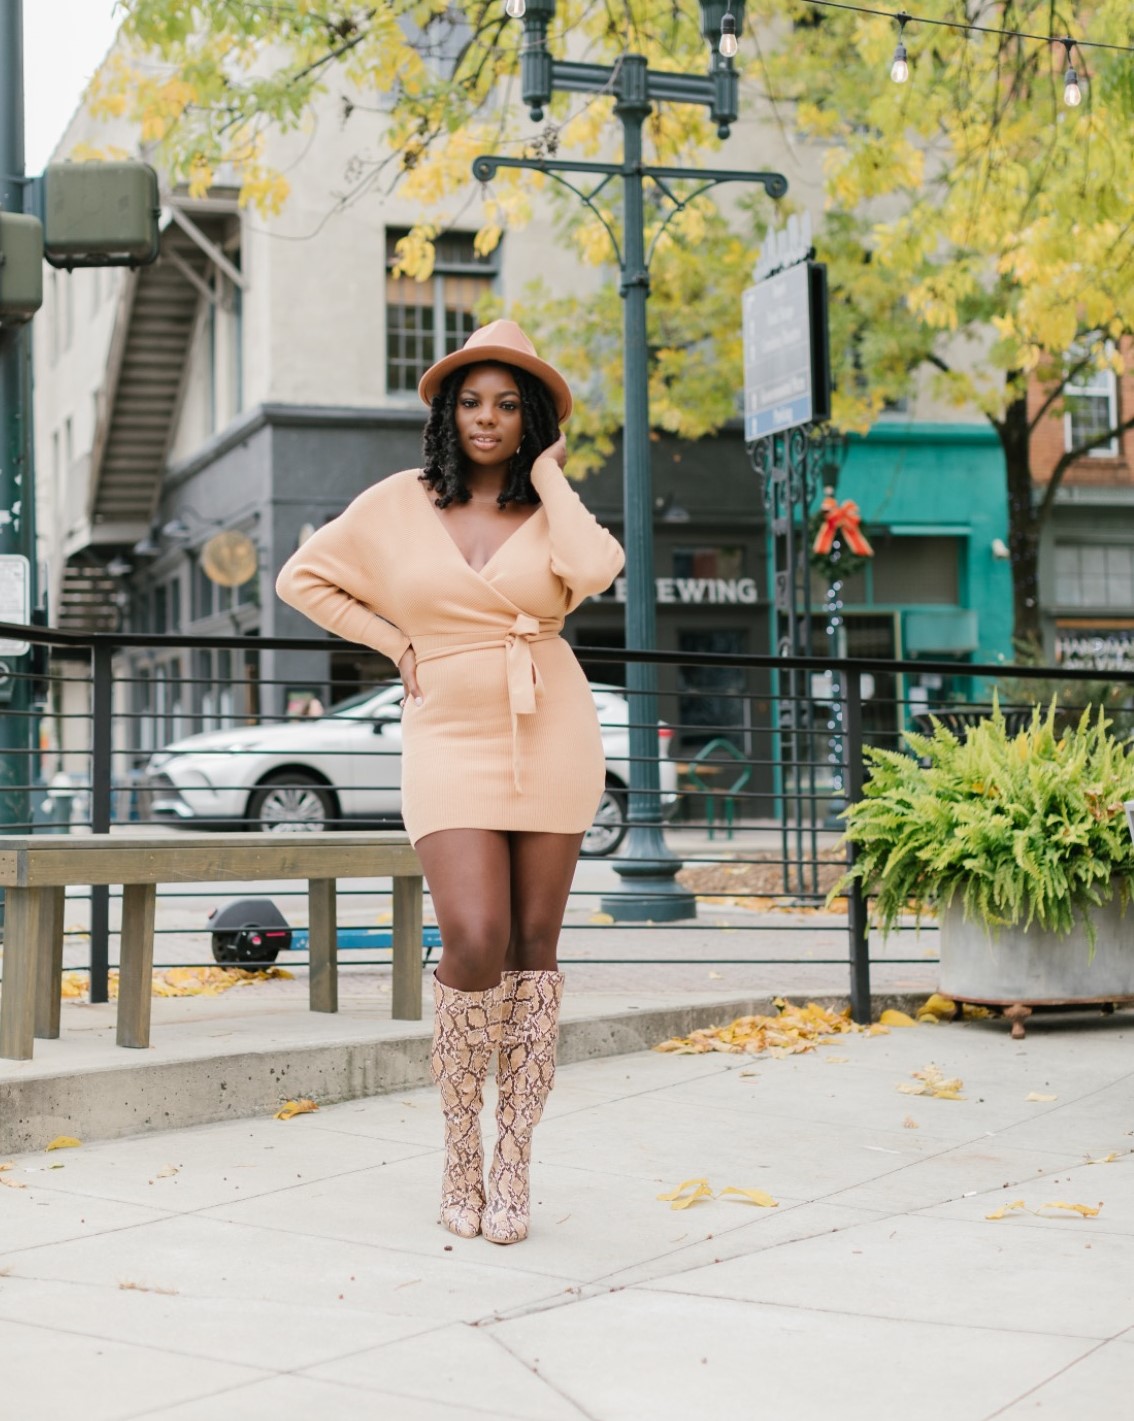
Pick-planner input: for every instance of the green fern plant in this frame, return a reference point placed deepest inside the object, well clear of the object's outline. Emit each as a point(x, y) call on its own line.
point(1025, 828)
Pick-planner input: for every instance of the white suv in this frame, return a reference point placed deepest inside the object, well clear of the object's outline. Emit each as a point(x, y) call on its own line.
point(345, 767)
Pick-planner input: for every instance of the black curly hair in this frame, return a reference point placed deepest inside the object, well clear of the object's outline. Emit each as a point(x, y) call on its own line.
point(444, 464)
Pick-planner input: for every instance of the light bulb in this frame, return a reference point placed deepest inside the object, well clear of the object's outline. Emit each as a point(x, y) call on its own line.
point(900, 69)
point(728, 44)
point(515, 9)
point(1072, 94)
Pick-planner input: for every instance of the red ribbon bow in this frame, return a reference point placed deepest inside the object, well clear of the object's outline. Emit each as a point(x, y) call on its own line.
point(841, 519)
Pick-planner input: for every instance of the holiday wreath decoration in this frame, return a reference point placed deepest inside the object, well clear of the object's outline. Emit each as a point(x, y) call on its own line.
point(838, 544)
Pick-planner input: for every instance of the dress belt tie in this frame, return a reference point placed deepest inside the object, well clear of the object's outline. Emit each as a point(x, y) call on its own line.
point(523, 675)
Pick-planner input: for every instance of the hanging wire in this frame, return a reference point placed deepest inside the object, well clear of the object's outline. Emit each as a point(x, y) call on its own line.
point(971, 28)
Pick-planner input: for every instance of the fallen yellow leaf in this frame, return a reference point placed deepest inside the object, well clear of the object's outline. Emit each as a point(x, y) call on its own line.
point(932, 1083)
point(12, 1184)
point(877, 1030)
point(754, 1196)
point(167, 1171)
point(3, 1167)
point(909, 1123)
point(63, 1142)
point(1084, 1210)
point(291, 1108)
point(1034, 1095)
point(1106, 1159)
point(890, 1017)
point(1004, 1208)
point(791, 1031)
point(600, 918)
point(679, 1199)
point(943, 1008)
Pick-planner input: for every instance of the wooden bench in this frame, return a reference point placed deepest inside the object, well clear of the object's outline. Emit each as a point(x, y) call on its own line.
point(35, 871)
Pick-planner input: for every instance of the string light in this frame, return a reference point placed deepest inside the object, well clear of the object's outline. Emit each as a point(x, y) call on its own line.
point(900, 69)
point(728, 44)
point(515, 9)
point(1072, 94)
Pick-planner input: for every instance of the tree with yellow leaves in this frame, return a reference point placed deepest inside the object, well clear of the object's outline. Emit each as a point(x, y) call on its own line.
point(991, 218)
point(975, 225)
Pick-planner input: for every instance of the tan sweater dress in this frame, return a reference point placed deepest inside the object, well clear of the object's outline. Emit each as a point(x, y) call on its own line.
point(507, 736)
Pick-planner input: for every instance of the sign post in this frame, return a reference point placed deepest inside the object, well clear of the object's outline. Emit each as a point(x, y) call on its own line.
point(787, 399)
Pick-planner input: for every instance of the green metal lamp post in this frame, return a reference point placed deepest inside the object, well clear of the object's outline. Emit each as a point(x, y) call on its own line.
point(17, 498)
point(648, 869)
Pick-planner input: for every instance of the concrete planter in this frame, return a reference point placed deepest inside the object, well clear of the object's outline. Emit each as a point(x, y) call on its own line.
point(1020, 969)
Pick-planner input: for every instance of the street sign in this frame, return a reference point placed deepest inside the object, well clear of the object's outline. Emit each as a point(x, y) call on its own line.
point(15, 599)
point(787, 371)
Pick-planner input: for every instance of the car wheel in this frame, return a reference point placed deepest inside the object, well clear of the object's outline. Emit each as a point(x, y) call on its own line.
point(609, 827)
point(293, 803)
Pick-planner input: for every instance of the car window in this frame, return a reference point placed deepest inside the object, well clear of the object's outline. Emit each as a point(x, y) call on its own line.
point(367, 703)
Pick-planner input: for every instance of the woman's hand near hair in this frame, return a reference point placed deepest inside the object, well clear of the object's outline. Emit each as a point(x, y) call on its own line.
point(407, 670)
point(557, 451)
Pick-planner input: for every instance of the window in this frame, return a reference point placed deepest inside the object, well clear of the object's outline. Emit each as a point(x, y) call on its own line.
point(708, 562)
point(1092, 409)
point(1094, 575)
point(904, 570)
point(428, 319)
point(711, 699)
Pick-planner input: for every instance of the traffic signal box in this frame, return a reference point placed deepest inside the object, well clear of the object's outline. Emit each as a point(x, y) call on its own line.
point(21, 268)
point(100, 214)
point(86, 214)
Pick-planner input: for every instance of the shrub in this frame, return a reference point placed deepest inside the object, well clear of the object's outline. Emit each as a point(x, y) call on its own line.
point(1025, 828)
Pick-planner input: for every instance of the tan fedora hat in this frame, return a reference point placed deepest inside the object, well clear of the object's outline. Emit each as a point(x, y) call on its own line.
point(505, 343)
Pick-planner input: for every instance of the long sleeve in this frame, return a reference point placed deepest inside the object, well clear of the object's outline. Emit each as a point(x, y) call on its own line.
point(584, 556)
point(334, 579)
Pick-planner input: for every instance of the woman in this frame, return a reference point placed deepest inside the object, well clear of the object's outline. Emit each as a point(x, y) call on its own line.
point(462, 573)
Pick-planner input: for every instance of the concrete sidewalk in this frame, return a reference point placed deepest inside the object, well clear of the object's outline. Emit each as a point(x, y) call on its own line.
point(279, 1270)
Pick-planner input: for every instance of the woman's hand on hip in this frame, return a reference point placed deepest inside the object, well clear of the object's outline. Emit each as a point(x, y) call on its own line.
point(407, 670)
point(557, 451)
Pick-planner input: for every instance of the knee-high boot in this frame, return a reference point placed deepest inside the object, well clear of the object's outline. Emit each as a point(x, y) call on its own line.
point(466, 1031)
point(529, 1031)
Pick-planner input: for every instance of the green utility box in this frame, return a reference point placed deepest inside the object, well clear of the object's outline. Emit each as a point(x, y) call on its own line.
point(100, 214)
point(21, 268)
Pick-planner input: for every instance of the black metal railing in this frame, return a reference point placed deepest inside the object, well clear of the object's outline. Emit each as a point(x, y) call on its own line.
point(756, 767)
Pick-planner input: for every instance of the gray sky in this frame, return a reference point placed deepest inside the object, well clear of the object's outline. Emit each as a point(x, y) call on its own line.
point(64, 43)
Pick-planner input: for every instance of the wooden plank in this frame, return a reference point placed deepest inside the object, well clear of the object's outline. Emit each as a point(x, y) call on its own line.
point(220, 858)
point(136, 964)
point(22, 910)
point(407, 949)
point(49, 964)
point(323, 944)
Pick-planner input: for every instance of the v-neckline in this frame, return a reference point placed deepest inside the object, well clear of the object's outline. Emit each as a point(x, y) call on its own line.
point(437, 517)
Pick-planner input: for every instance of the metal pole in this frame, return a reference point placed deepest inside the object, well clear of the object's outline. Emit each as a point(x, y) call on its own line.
point(647, 867)
point(858, 931)
point(102, 693)
point(17, 492)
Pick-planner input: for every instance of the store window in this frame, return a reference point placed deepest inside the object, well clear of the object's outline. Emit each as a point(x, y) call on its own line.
point(426, 320)
point(904, 571)
point(1094, 575)
point(711, 700)
point(1092, 409)
point(726, 562)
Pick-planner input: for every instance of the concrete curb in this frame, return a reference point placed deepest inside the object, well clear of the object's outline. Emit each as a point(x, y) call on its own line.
point(135, 1098)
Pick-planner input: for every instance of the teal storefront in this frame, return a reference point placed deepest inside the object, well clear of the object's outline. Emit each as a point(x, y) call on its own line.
point(934, 505)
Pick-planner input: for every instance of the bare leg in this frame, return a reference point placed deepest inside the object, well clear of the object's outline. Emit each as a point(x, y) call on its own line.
point(468, 872)
point(542, 868)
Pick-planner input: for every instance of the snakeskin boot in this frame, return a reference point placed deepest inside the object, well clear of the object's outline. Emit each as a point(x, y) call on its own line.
point(529, 1031)
point(466, 1031)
